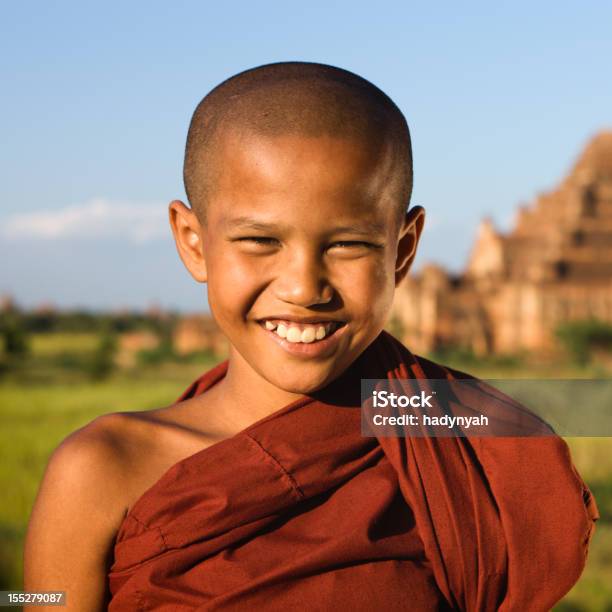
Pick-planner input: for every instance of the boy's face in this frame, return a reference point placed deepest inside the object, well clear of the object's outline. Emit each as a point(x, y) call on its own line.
point(299, 227)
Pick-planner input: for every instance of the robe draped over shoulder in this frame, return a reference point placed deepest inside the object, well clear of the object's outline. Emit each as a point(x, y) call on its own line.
point(302, 511)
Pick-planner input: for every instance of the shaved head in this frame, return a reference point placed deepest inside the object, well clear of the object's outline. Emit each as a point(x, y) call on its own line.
point(295, 98)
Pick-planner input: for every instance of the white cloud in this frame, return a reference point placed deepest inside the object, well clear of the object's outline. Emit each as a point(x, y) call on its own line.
point(98, 218)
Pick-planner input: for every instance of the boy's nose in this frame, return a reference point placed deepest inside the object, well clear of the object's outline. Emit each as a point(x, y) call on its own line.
point(303, 281)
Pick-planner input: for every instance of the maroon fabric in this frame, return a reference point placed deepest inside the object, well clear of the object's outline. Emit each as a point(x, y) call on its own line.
point(300, 511)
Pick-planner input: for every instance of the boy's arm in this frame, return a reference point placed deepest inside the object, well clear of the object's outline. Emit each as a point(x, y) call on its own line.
point(75, 518)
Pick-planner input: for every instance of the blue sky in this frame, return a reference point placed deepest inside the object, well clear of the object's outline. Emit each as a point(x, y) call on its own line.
point(500, 99)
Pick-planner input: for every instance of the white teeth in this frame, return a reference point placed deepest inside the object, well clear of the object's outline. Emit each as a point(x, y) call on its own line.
point(294, 334)
point(308, 335)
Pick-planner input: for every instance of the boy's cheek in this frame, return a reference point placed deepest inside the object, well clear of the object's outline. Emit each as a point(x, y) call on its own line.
point(231, 268)
point(371, 279)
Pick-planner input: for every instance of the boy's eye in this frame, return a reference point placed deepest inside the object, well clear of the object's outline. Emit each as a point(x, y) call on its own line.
point(355, 243)
point(266, 241)
point(257, 239)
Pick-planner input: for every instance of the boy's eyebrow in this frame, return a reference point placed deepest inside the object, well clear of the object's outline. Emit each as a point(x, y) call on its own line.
point(367, 229)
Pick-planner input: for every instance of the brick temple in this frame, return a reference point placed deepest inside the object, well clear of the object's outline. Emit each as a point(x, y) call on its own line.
point(555, 265)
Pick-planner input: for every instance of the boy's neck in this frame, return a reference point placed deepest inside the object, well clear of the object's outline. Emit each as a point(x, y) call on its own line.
point(243, 397)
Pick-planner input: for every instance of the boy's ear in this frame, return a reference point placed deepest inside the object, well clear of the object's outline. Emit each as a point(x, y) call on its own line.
point(187, 233)
point(409, 235)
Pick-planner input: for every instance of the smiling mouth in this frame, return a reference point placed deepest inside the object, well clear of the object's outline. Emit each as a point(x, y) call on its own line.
point(301, 333)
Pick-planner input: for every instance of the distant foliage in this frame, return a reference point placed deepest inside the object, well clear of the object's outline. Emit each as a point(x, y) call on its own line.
point(103, 359)
point(14, 336)
point(87, 321)
point(580, 338)
point(164, 350)
point(52, 321)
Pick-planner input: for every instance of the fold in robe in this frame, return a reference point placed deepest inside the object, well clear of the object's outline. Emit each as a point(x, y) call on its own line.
point(301, 511)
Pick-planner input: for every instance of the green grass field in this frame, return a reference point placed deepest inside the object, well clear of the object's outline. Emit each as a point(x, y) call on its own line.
point(42, 403)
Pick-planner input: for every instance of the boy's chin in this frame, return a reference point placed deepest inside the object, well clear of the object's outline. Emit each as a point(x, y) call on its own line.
point(304, 383)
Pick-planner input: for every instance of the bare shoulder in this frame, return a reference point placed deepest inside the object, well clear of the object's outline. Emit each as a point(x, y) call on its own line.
point(77, 513)
point(91, 481)
point(92, 457)
point(111, 460)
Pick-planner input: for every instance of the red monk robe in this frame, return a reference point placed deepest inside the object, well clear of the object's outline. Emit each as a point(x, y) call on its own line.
point(299, 511)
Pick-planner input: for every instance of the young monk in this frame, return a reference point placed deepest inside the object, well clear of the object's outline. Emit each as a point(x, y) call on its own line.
point(256, 489)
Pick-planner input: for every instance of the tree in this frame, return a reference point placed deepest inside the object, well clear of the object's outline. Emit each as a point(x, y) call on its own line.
point(103, 359)
point(582, 336)
point(14, 335)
